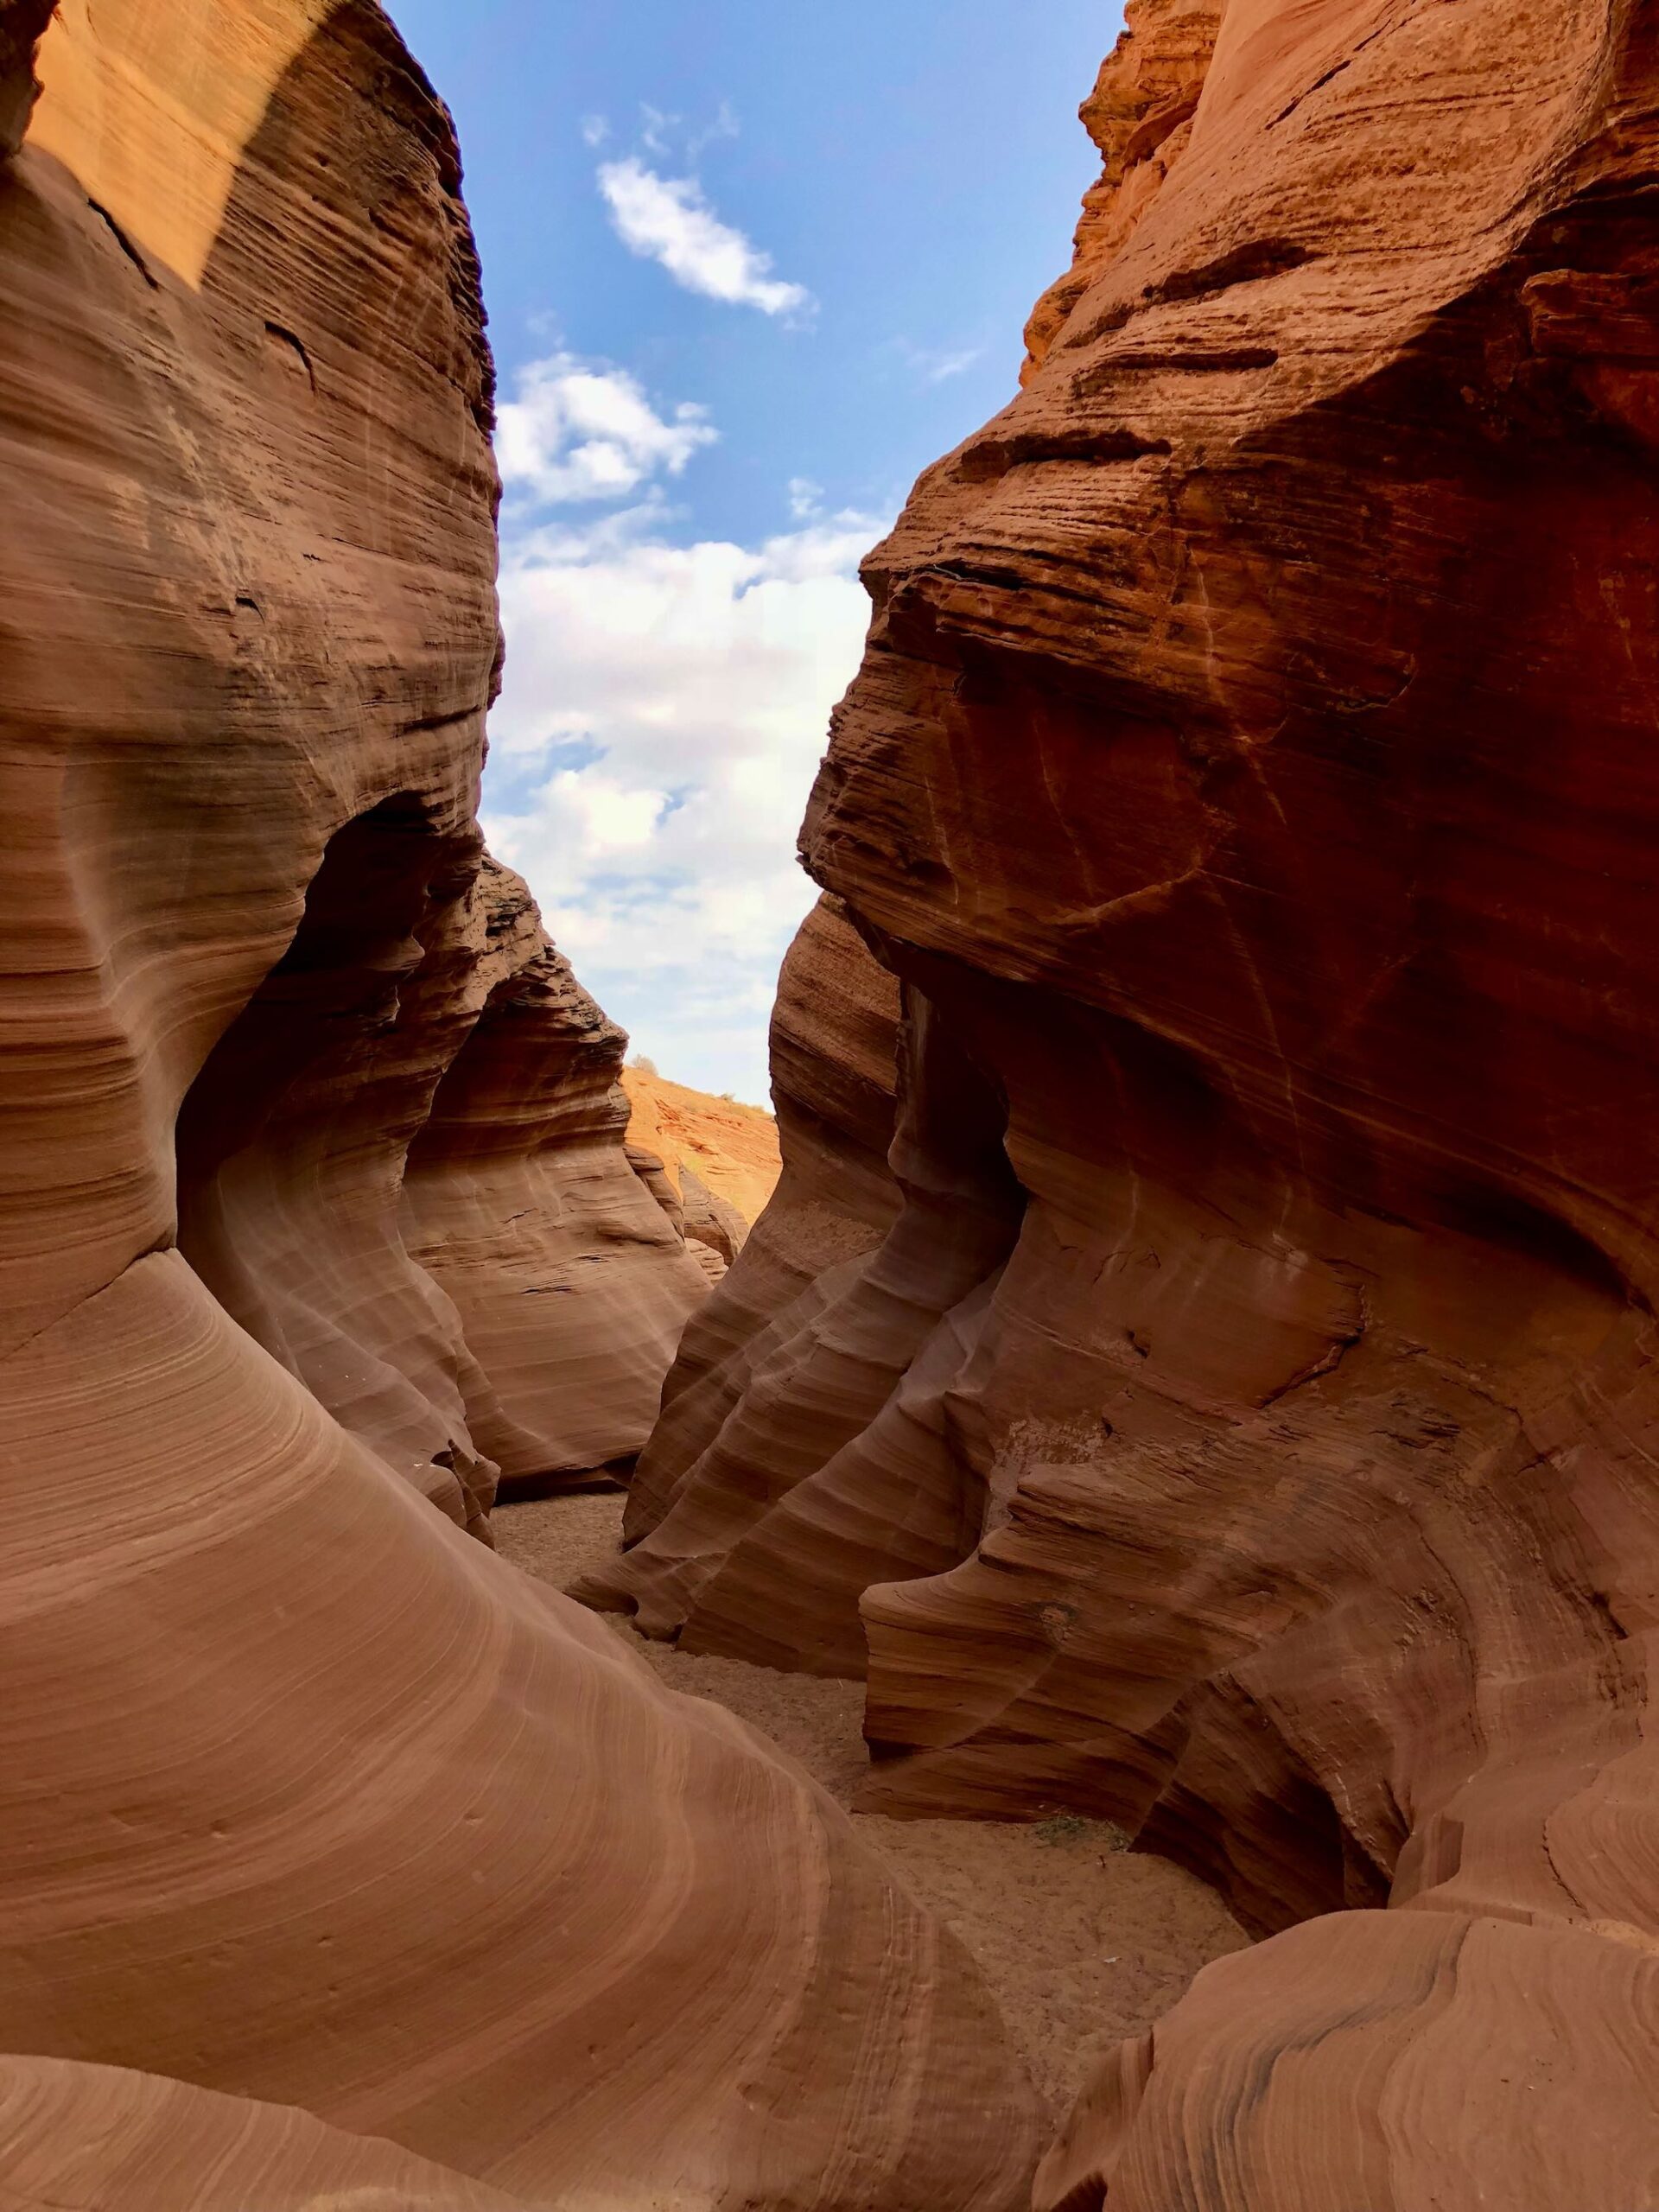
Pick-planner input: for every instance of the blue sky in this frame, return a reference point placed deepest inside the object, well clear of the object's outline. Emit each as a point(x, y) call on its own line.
point(749, 268)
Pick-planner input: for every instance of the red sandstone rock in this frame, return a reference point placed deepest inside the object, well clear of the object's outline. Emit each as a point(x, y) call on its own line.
point(731, 1147)
point(1250, 777)
point(771, 1348)
point(519, 1200)
point(308, 1799)
point(100, 2138)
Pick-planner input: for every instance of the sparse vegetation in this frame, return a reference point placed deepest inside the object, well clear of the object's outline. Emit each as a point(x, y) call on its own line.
point(1063, 1830)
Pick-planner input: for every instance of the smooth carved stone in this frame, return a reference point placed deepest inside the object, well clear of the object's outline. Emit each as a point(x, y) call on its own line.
point(519, 1199)
point(102, 2138)
point(1250, 780)
point(1446, 2083)
point(309, 1799)
point(755, 1372)
point(329, 1807)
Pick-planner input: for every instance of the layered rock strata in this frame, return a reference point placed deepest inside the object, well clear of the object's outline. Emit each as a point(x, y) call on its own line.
point(1249, 778)
point(309, 1801)
point(518, 1198)
point(101, 2138)
point(764, 1385)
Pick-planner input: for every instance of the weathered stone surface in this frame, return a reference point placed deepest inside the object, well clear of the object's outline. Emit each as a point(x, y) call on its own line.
point(307, 1797)
point(1383, 2060)
point(101, 2138)
point(772, 1372)
point(731, 1147)
point(1139, 116)
point(519, 1199)
point(1250, 777)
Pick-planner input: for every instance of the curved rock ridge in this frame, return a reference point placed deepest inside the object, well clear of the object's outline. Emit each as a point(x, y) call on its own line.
point(415, 1844)
point(309, 1799)
point(102, 2138)
point(519, 1199)
point(759, 1392)
point(251, 931)
point(1250, 779)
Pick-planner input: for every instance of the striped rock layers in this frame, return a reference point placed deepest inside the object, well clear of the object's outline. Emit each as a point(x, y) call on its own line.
point(340, 1860)
point(1245, 1430)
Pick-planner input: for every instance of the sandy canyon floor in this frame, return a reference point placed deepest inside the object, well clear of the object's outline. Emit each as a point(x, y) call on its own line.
point(1082, 1941)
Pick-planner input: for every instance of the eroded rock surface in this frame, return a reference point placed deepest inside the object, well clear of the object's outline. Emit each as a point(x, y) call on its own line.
point(1250, 779)
point(309, 1801)
point(784, 1361)
point(519, 1199)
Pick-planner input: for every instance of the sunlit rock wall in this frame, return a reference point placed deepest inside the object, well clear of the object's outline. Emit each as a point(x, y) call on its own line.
point(322, 1824)
point(1251, 780)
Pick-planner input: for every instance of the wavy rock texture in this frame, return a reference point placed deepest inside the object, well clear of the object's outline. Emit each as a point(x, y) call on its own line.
point(1250, 780)
point(782, 1362)
point(250, 642)
point(519, 1199)
point(100, 2138)
point(308, 1799)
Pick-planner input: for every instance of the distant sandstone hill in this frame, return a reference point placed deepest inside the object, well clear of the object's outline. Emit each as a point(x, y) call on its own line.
point(730, 1146)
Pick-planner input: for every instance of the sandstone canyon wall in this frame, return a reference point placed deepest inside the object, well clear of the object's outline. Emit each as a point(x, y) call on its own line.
point(1245, 1431)
point(321, 1823)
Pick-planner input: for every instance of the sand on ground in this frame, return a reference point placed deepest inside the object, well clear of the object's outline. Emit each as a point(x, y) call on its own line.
point(1082, 1941)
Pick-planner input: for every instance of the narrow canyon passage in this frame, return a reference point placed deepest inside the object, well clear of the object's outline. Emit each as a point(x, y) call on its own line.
point(1081, 1942)
point(1122, 1677)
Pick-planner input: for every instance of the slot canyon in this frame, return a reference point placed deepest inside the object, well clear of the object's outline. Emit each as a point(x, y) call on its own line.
point(542, 1673)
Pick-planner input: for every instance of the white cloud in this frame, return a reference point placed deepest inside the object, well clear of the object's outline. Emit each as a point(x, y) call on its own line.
point(806, 497)
point(664, 713)
point(596, 129)
point(585, 430)
point(667, 219)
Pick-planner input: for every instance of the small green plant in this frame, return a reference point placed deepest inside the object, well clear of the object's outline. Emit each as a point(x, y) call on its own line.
point(1062, 1830)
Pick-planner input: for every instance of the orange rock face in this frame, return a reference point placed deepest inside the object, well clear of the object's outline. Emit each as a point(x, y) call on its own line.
point(1251, 780)
point(322, 1824)
point(731, 1148)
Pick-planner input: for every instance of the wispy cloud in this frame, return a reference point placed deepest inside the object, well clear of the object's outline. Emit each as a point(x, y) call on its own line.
point(936, 364)
point(667, 219)
point(655, 126)
point(806, 497)
point(664, 711)
point(596, 129)
point(725, 126)
point(579, 430)
point(661, 133)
